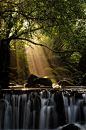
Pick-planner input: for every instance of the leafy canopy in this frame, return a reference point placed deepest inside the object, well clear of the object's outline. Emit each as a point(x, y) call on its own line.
point(63, 20)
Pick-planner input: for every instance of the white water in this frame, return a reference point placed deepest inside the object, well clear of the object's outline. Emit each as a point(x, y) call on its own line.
point(47, 111)
point(18, 113)
point(75, 110)
point(38, 111)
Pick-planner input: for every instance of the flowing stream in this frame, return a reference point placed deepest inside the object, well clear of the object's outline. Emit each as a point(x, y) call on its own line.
point(42, 109)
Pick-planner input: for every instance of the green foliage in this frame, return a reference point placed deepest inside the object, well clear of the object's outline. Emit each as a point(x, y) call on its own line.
point(84, 75)
point(61, 69)
point(12, 77)
point(61, 21)
point(71, 68)
point(53, 81)
point(18, 61)
point(58, 77)
point(75, 57)
point(21, 19)
point(52, 70)
point(79, 73)
point(19, 81)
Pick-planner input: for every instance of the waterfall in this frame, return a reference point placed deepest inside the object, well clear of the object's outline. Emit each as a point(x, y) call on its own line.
point(42, 109)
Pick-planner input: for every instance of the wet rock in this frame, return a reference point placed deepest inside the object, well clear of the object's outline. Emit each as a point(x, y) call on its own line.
point(70, 127)
point(44, 94)
point(37, 103)
point(66, 94)
point(78, 96)
point(60, 108)
point(73, 93)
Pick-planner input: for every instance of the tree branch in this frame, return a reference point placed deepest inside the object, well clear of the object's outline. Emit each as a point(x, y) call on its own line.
point(29, 30)
point(14, 38)
point(68, 51)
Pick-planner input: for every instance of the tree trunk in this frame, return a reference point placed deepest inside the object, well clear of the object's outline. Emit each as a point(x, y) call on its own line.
point(4, 63)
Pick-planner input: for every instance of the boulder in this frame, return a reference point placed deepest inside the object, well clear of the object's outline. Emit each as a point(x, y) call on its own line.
point(78, 95)
point(70, 127)
point(43, 81)
point(30, 81)
point(31, 78)
point(65, 83)
point(60, 108)
point(37, 103)
point(33, 81)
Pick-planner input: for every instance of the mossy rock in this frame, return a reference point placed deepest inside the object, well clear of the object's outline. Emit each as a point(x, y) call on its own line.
point(34, 81)
point(30, 81)
point(74, 80)
point(65, 83)
point(43, 81)
point(31, 78)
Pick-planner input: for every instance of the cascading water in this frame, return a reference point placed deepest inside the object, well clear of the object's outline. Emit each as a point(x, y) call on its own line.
point(42, 109)
point(75, 106)
point(48, 113)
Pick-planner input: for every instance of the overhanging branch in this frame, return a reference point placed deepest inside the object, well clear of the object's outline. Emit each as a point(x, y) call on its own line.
point(38, 44)
point(68, 51)
point(29, 31)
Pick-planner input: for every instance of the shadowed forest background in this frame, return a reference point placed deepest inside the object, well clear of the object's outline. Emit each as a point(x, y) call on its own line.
point(46, 38)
